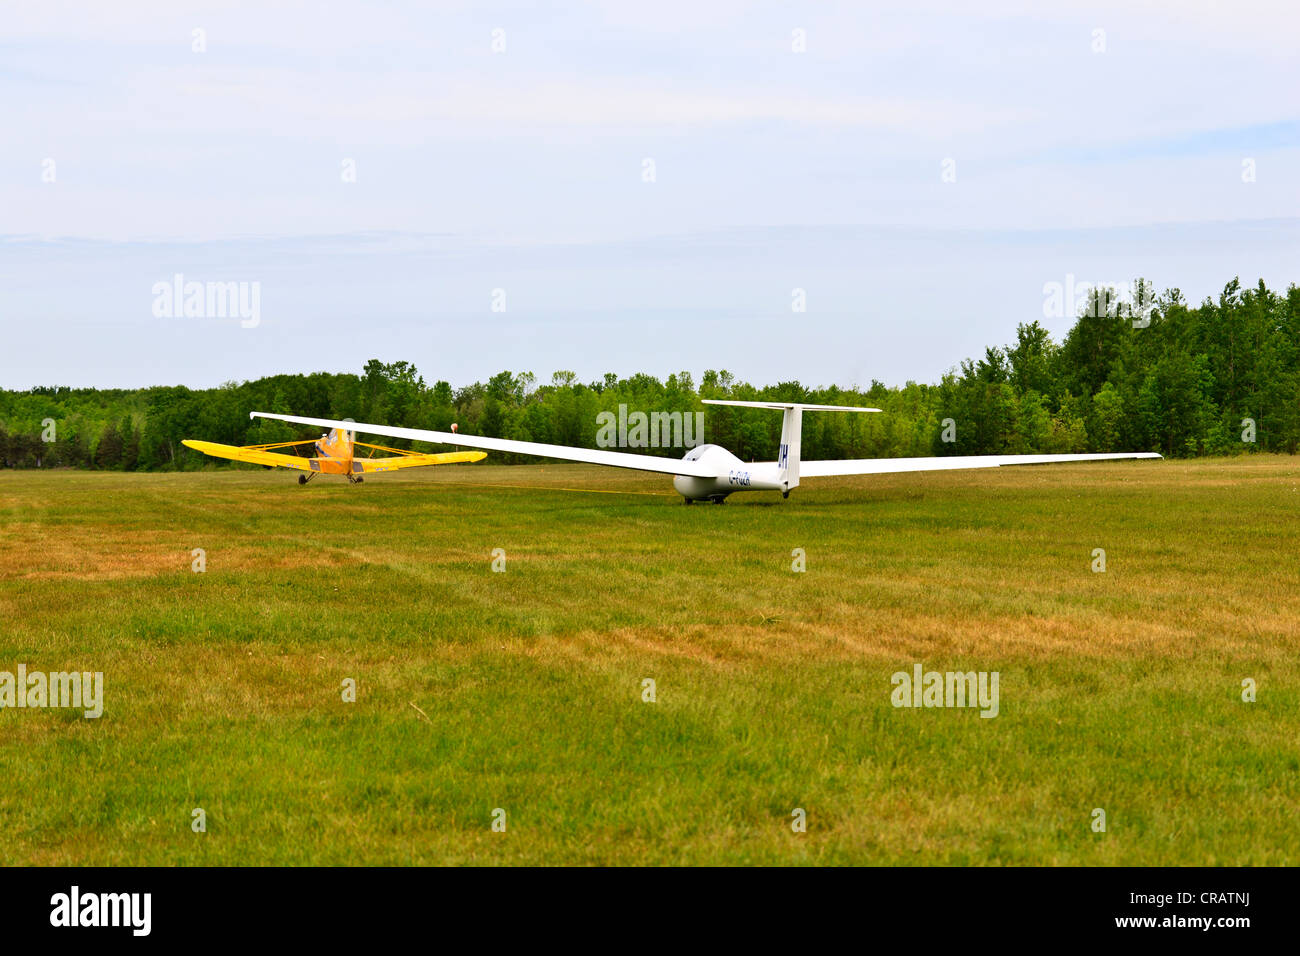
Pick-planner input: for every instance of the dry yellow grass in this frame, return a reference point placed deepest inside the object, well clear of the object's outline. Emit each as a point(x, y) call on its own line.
point(523, 690)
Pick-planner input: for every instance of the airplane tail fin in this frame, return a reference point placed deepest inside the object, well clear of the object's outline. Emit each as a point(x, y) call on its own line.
point(337, 445)
point(791, 432)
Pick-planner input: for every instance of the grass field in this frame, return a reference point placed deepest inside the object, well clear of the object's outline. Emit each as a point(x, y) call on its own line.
point(522, 690)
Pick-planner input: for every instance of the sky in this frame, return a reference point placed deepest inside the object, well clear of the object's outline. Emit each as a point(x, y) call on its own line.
point(828, 192)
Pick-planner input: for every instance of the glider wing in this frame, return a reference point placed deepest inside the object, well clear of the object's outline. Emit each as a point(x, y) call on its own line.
point(884, 466)
point(595, 456)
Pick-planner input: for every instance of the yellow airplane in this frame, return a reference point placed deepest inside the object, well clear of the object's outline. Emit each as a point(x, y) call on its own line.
point(335, 455)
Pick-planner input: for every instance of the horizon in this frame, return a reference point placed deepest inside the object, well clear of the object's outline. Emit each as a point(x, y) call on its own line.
point(741, 183)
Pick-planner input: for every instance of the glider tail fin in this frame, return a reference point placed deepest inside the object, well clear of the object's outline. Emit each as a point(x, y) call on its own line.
point(787, 461)
point(788, 457)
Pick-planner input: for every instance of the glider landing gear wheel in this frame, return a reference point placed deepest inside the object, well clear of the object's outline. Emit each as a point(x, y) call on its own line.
point(688, 501)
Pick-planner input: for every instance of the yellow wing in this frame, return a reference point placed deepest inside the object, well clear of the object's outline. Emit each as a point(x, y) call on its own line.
point(258, 455)
point(413, 460)
point(254, 455)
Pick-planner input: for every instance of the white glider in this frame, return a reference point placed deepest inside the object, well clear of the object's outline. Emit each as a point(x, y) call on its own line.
point(710, 472)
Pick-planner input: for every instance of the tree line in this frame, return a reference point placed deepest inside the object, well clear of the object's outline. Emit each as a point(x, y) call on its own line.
point(1222, 377)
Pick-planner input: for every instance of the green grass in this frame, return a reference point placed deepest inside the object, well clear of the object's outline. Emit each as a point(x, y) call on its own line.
point(1119, 690)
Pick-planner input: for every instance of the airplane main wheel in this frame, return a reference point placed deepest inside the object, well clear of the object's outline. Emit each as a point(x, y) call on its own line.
point(785, 494)
point(302, 479)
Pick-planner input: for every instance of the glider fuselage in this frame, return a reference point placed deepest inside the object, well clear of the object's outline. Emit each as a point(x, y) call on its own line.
point(732, 475)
